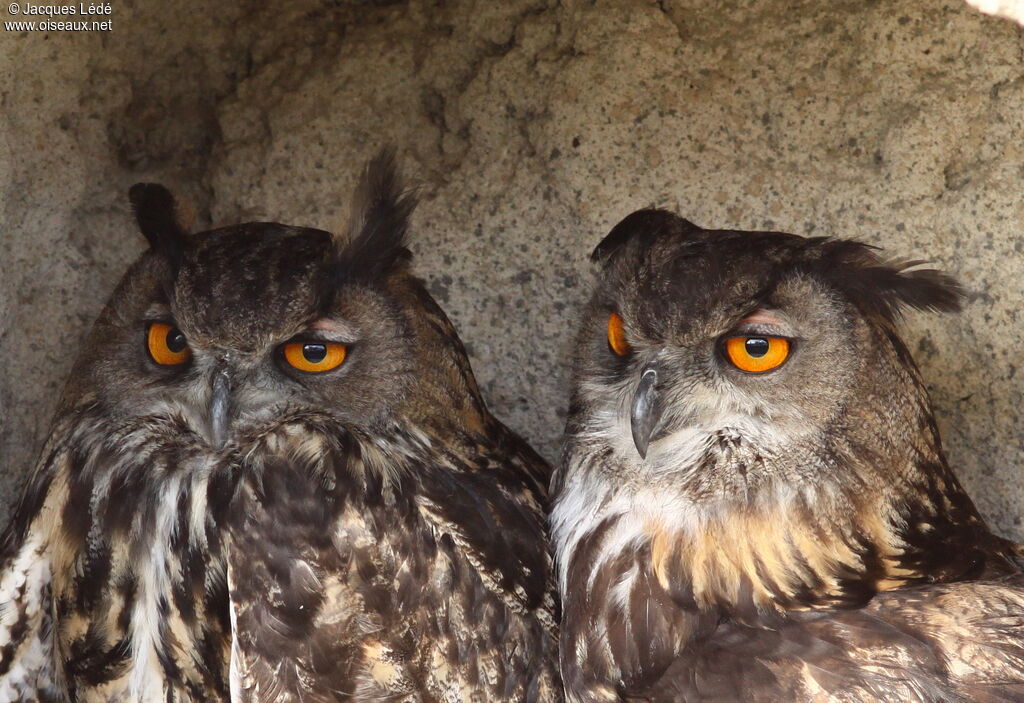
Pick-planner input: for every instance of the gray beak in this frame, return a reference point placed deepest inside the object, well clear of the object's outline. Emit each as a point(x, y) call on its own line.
point(220, 407)
point(646, 410)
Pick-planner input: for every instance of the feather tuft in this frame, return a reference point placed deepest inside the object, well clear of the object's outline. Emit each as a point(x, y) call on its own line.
point(380, 221)
point(884, 287)
point(155, 213)
point(643, 226)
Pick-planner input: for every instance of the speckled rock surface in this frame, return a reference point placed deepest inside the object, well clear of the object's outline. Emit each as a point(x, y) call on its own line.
point(532, 128)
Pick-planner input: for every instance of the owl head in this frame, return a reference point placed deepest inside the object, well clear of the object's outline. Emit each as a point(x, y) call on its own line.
point(748, 433)
point(749, 441)
point(718, 361)
point(231, 328)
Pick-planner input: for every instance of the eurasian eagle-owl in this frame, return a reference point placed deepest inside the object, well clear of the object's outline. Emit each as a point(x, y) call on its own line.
point(272, 478)
point(754, 503)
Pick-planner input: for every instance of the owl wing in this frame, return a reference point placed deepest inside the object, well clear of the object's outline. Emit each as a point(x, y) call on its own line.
point(27, 657)
point(349, 582)
point(501, 545)
point(312, 532)
point(976, 628)
point(958, 642)
point(296, 621)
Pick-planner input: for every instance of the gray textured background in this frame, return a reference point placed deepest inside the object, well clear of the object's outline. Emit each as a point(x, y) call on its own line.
point(533, 127)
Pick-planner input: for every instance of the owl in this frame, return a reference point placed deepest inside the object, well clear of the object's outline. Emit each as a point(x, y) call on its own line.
point(754, 504)
point(272, 478)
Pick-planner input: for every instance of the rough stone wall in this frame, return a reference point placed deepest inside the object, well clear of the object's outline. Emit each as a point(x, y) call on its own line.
point(532, 126)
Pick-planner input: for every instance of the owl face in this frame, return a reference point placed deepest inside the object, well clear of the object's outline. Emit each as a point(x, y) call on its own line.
point(233, 328)
point(755, 345)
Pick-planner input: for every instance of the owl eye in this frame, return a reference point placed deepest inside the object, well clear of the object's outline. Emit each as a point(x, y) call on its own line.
point(757, 354)
point(617, 335)
point(167, 345)
point(315, 357)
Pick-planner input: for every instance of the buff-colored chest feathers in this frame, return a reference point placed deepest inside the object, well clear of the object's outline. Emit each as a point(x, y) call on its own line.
point(783, 553)
point(782, 556)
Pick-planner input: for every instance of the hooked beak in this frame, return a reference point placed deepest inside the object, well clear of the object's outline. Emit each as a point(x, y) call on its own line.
point(220, 407)
point(646, 410)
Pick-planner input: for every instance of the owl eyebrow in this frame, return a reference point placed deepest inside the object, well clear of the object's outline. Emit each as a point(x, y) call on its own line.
point(333, 328)
point(765, 319)
point(157, 311)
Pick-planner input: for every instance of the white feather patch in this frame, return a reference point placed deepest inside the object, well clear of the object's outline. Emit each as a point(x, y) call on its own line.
point(22, 591)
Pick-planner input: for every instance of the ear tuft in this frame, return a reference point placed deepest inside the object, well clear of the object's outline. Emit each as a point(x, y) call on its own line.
point(887, 287)
point(644, 226)
point(925, 288)
point(380, 221)
point(155, 212)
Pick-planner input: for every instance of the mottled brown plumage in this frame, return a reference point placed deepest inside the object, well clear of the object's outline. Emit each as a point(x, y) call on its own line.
point(789, 534)
point(211, 522)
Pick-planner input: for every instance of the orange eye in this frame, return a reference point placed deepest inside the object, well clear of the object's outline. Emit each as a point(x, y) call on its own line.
point(167, 345)
point(617, 335)
point(757, 354)
point(314, 357)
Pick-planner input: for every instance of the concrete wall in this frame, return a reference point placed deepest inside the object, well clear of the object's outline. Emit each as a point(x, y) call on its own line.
point(533, 127)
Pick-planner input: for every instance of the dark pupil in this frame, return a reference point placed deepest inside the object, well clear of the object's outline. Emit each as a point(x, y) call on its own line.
point(314, 353)
point(176, 341)
point(757, 347)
